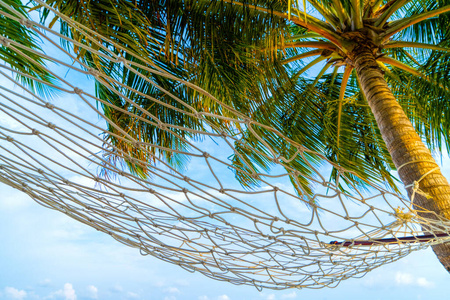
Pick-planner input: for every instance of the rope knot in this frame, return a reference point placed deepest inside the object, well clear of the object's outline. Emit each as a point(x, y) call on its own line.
point(121, 60)
point(49, 105)
point(26, 23)
point(94, 72)
point(416, 190)
point(415, 185)
point(4, 42)
point(404, 216)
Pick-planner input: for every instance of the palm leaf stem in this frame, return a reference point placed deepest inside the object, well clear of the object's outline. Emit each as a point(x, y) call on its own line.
point(405, 67)
point(333, 79)
point(309, 35)
point(302, 56)
point(395, 63)
point(383, 67)
point(341, 13)
point(357, 22)
point(304, 9)
point(412, 58)
point(308, 66)
point(387, 70)
point(289, 9)
point(324, 69)
point(309, 44)
point(415, 45)
point(401, 24)
point(377, 5)
point(389, 9)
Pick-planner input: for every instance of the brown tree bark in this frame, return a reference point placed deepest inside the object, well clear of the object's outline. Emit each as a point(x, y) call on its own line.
point(404, 144)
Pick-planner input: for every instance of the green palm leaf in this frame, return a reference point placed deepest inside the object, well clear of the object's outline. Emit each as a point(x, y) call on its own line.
point(16, 37)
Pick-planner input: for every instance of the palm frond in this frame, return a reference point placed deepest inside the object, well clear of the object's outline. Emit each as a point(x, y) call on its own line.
point(16, 39)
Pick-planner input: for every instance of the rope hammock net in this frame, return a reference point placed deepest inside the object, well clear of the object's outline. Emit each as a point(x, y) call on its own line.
point(198, 217)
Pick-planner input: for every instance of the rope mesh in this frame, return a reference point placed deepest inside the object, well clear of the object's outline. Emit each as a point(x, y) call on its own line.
point(199, 217)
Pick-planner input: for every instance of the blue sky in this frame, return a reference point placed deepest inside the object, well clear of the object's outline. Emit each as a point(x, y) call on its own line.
point(46, 255)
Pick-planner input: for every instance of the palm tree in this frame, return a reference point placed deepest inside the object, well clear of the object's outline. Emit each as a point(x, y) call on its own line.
point(376, 101)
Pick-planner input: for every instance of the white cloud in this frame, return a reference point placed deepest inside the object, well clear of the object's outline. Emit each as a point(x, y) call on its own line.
point(223, 297)
point(182, 282)
point(160, 283)
point(45, 282)
point(67, 293)
point(203, 298)
point(93, 292)
point(170, 298)
point(13, 293)
point(402, 278)
point(270, 297)
point(172, 290)
point(13, 200)
point(289, 296)
point(132, 295)
point(117, 289)
point(374, 280)
point(10, 122)
point(423, 282)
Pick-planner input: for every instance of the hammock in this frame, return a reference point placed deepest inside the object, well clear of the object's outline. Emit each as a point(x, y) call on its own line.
point(199, 217)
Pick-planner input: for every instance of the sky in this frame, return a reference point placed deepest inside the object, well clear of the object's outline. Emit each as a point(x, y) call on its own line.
point(44, 254)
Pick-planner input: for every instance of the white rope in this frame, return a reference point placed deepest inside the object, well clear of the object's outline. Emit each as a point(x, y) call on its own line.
point(416, 185)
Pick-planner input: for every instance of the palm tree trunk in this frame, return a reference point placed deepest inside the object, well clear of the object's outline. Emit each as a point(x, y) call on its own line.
point(404, 144)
